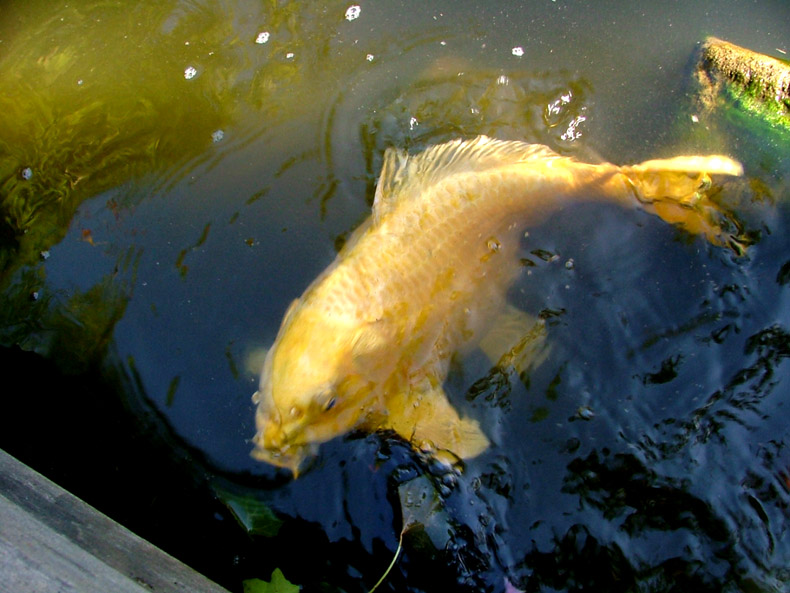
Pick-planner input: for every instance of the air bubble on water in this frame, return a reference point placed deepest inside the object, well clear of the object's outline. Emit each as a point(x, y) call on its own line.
point(353, 12)
point(262, 37)
point(569, 264)
point(573, 133)
point(190, 72)
point(493, 244)
point(556, 106)
point(517, 51)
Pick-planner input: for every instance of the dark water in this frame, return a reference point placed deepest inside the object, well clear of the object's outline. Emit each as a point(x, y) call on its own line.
point(171, 179)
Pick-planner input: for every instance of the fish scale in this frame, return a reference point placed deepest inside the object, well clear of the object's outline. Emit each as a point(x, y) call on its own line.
point(413, 261)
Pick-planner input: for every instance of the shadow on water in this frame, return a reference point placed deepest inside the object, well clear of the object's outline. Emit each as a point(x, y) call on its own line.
point(173, 174)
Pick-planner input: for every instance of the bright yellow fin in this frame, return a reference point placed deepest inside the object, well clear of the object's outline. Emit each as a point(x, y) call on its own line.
point(516, 339)
point(677, 190)
point(430, 423)
point(405, 177)
point(715, 164)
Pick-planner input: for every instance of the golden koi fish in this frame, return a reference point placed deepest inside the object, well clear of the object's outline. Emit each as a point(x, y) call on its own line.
point(368, 344)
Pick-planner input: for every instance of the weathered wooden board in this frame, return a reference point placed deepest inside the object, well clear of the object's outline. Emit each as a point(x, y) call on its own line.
point(52, 541)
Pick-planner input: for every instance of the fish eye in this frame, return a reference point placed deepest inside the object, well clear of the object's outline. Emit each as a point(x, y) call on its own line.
point(325, 400)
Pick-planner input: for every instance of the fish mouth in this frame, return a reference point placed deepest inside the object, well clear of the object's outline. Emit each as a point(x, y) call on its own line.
point(288, 456)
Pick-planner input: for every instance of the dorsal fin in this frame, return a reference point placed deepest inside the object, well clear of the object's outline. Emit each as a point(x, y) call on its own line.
point(404, 176)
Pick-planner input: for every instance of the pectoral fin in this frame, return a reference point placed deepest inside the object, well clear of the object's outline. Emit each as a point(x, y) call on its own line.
point(429, 422)
point(516, 339)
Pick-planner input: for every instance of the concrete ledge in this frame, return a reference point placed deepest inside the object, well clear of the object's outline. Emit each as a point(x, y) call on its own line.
point(52, 541)
point(761, 83)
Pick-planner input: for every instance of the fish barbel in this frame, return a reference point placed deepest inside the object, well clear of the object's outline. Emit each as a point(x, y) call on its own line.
point(368, 344)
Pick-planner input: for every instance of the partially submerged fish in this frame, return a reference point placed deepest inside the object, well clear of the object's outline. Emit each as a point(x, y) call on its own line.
point(369, 343)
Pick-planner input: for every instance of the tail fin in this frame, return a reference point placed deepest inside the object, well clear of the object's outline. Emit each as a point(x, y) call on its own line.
point(678, 190)
point(714, 164)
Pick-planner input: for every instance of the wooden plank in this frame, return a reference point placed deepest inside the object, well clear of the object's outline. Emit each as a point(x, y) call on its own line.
point(34, 557)
point(52, 541)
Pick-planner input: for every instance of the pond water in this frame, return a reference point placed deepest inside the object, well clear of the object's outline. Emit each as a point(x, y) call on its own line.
point(175, 173)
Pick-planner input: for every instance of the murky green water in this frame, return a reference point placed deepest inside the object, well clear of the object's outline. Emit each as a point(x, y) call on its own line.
point(173, 174)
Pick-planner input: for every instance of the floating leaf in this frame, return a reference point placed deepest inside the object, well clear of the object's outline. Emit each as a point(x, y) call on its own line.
point(252, 514)
point(421, 507)
point(278, 584)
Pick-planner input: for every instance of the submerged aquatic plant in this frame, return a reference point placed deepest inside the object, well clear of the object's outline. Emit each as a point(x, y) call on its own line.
point(95, 96)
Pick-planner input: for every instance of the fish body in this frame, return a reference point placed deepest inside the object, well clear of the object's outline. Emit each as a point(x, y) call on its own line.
point(368, 344)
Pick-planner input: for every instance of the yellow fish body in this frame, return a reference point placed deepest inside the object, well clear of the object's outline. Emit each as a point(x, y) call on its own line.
point(368, 345)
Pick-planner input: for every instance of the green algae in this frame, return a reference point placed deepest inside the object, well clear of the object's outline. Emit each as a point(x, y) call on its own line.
point(754, 83)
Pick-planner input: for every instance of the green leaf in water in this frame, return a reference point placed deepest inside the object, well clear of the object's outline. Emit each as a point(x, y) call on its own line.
point(422, 509)
point(539, 414)
point(171, 390)
point(278, 584)
point(252, 514)
point(551, 391)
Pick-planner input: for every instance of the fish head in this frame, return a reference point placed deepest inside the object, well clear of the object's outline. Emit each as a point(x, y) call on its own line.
point(310, 391)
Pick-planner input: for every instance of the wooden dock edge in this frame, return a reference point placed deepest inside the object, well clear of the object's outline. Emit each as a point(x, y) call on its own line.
point(52, 541)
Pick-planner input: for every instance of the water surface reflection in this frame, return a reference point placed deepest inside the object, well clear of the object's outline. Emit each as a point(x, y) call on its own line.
point(173, 174)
